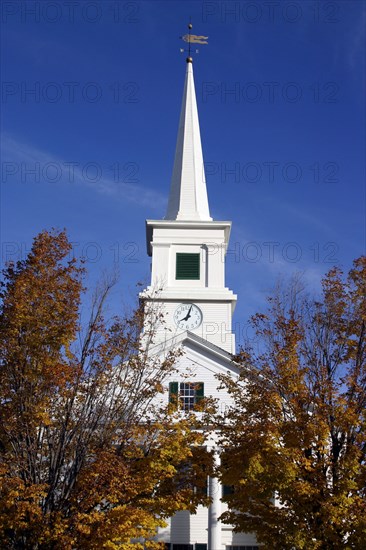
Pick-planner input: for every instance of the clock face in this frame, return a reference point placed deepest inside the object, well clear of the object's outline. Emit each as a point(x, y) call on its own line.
point(188, 316)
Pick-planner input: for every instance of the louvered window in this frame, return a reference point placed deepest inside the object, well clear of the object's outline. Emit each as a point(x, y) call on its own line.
point(187, 266)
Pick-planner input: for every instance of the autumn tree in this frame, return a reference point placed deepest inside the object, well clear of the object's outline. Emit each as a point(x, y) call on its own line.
point(297, 426)
point(89, 455)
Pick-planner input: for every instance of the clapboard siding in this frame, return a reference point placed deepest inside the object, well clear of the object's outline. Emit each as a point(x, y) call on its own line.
point(216, 326)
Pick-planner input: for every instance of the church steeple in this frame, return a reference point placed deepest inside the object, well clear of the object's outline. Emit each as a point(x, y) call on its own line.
point(187, 247)
point(188, 193)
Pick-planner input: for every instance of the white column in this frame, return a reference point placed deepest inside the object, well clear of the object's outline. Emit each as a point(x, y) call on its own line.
point(214, 510)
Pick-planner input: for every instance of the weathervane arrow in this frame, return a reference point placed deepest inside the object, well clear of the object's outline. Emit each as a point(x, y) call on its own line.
point(192, 39)
point(195, 39)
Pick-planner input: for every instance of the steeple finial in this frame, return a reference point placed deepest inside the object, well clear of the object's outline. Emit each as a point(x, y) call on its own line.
point(192, 39)
point(188, 193)
point(189, 58)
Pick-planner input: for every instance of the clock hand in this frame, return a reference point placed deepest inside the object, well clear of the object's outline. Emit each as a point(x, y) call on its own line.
point(187, 316)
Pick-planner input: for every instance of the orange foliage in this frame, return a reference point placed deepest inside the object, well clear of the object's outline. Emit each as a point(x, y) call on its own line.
point(297, 427)
point(82, 465)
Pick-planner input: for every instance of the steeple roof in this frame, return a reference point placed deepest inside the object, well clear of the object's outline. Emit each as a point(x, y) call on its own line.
point(188, 193)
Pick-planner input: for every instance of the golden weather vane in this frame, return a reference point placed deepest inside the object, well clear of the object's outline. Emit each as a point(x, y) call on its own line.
point(192, 39)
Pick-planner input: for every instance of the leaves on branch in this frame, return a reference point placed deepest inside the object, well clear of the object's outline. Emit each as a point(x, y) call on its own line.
point(89, 454)
point(297, 425)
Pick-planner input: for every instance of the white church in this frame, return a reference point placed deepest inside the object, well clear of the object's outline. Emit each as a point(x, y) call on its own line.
point(188, 250)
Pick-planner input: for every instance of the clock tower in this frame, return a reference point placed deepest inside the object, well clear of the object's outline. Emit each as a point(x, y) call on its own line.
point(188, 247)
point(188, 250)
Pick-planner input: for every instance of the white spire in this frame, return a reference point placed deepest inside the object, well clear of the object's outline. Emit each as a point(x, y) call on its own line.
point(188, 193)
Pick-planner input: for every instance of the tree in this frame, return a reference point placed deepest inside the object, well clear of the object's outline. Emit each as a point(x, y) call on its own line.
point(89, 455)
point(297, 425)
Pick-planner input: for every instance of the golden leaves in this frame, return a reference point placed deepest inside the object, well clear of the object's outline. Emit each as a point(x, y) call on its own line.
point(297, 427)
point(88, 459)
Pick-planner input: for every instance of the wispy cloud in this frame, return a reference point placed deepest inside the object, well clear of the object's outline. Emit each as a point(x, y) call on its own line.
point(24, 156)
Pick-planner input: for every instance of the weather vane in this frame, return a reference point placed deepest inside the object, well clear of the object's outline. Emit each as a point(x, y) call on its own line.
point(192, 39)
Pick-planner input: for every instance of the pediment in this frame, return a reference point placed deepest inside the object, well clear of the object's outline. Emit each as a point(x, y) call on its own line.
point(201, 353)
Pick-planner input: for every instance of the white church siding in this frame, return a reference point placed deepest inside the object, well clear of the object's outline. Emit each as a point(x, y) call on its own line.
point(188, 528)
point(201, 362)
point(202, 365)
point(216, 327)
point(188, 278)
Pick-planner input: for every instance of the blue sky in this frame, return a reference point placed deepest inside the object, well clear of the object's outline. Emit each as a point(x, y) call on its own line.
point(91, 94)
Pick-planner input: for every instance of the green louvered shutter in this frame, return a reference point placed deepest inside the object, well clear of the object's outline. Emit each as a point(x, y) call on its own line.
point(173, 393)
point(199, 392)
point(227, 490)
point(187, 266)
